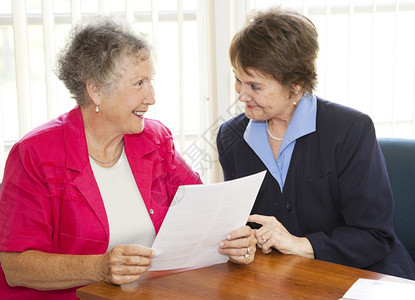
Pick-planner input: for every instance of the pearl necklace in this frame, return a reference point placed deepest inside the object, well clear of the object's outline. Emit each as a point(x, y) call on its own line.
point(271, 136)
point(107, 162)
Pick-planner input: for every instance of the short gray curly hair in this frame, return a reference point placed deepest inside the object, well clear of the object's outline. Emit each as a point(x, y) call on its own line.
point(96, 51)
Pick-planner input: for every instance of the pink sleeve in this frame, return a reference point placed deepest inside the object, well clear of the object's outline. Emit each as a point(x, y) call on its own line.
point(25, 217)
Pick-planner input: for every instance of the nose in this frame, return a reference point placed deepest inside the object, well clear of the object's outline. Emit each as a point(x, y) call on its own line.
point(243, 96)
point(150, 97)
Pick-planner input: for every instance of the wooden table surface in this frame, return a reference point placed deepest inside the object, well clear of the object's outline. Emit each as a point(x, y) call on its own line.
point(271, 276)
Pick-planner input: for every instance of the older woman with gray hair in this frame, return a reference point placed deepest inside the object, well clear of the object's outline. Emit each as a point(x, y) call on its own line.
point(85, 194)
point(326, 194)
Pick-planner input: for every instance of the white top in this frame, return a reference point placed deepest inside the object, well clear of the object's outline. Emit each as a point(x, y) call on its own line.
point(127, 214)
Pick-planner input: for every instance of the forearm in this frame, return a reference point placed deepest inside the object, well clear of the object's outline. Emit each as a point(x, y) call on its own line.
point(340, 246)
point(45, 271)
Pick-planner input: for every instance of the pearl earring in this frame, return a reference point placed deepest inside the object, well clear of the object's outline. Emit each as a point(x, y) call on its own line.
point(295, 103)
point(96, 108)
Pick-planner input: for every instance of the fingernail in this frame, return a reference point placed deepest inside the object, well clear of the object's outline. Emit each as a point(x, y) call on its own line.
point(221, 244)
point(228, 237)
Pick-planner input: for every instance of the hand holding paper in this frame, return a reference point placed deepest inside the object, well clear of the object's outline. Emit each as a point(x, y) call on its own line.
point(240, 245)
point(199, 218)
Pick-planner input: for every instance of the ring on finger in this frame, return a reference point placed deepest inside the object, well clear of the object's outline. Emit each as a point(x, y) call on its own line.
point(263, 239)
point(248, 252)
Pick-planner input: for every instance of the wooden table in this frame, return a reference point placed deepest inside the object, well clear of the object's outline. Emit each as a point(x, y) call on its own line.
point(272, 276)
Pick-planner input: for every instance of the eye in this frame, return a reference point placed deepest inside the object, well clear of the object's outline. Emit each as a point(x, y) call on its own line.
point(140, 84)
point(144, 83)
point(254, 87)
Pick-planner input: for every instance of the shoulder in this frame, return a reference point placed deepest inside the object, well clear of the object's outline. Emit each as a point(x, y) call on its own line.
point(231, 133)
point(331, 110)
point(39, 151)
point(44, 137)
point(344, 130)
point(334, 116)
point(235, 126)
point(69, 124)
point(43, 131)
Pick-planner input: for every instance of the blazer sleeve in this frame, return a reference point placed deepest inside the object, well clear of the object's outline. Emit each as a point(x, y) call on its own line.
point(366, 202)
point(26, 210)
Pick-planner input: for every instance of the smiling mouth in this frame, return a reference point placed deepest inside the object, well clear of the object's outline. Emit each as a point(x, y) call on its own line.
point(139, 113)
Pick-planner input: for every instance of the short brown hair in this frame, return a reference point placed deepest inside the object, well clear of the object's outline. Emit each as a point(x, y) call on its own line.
point(278, 42)
point(96, 51)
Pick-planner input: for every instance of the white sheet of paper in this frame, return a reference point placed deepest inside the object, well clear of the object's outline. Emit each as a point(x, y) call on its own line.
point(199, 217)
point(368, 289)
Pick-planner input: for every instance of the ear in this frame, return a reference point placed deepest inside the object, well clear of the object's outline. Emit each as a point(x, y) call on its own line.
point(296, 88)
point(94, 92)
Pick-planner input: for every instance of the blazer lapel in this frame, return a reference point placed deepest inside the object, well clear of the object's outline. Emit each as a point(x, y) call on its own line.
point(136, 150)
point(78, 162)
point(87, 186)
point(142, 171)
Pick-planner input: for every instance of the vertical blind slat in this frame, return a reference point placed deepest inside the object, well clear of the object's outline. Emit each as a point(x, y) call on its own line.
point(154, 33)
point(21, 57)
point(305, 8)
point(104, 7)
point(129, 11)
point(49, 54)
point(349, 52)
point(372, 59)
point(395, 71)
point(181, 77)
point(326, 42)
point(75, 11)
point(413, 105)
point(2, 143)
point(154, 20)
point(211, 68)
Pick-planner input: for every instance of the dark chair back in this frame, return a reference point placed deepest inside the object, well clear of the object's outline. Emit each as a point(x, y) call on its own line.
point(400, 161)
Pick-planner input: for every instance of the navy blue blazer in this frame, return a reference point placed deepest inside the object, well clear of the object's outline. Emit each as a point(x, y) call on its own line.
point(337, 191)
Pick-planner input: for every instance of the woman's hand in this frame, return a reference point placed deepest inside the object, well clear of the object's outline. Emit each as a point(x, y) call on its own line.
point(48, 271)
point(125, 264)
point(237, 244)
point(273, 234)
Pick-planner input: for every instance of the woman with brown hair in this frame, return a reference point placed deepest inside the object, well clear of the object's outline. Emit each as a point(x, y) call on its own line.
point(326, 194)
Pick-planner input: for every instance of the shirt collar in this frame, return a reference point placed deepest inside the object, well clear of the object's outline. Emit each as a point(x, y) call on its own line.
point(302, 123)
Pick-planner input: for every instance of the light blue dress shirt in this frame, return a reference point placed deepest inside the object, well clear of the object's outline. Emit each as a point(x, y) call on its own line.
point(302, 123)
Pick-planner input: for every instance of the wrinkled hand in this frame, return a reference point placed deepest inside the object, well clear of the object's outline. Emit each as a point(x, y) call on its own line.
point(273, 234)
point(125, 264)
point(236, 245)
